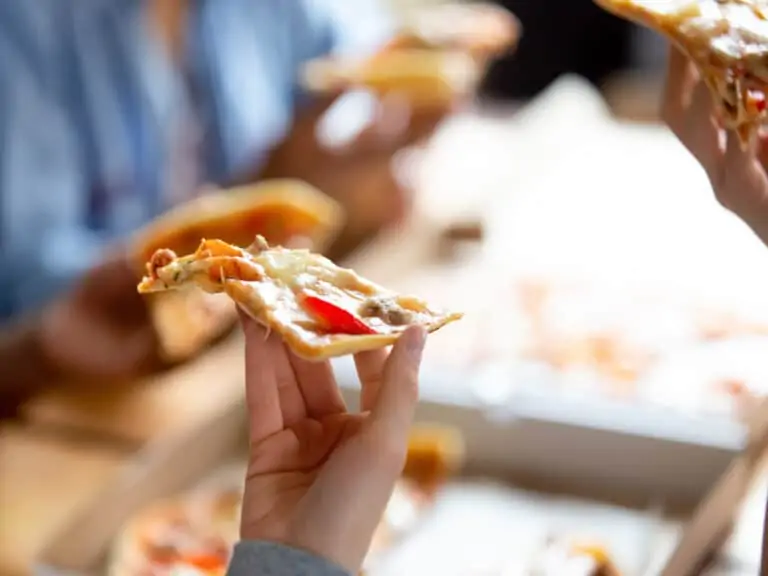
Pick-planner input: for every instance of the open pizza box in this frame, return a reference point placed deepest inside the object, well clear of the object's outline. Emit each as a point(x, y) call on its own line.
point(478, 515)
point(653, 468)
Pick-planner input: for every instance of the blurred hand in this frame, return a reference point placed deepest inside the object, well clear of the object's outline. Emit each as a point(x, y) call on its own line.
point(738, 176)
point(319, 477)
point(361, 175)
point(101, 328)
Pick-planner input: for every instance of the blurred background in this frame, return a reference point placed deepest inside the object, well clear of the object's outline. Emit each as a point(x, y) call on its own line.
point(608, 370)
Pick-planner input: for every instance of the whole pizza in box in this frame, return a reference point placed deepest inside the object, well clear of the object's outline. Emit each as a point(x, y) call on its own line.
point(194, 533)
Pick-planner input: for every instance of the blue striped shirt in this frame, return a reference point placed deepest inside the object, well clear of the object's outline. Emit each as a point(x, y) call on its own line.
point(90, 106)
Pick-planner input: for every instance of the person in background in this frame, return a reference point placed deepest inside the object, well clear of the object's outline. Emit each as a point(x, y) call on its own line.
point(319, 477)
point(113, 111)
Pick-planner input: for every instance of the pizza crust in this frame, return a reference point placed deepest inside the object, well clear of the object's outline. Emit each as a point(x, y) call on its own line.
point(309, 345)
point(216, 214)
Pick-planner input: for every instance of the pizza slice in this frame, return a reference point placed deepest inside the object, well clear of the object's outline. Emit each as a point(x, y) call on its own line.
point(727, 40)
point(480, 29)
point(425, 77)
point(280, 210)
point(319, 309)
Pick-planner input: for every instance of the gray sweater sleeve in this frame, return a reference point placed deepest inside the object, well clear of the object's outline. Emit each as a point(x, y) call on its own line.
point(270, 559)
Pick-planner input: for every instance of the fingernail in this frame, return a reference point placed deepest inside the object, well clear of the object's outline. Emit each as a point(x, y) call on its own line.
point(415, 337)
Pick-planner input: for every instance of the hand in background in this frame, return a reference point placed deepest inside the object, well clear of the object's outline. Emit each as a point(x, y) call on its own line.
point(362, 174)
point(738, 176)
point(101, 328)
point(319, 477)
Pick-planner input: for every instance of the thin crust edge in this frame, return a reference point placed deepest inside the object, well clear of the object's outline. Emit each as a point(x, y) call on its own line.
point(341, 345)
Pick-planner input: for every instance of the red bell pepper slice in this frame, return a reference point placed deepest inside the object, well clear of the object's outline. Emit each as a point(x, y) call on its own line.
point(336, 319)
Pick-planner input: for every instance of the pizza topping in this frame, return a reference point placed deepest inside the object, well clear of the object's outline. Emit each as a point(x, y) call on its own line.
point(209, 248)
point(756, 103)
point(334, 318)
point(204, 561)
point(387, 309)
point(160, 259)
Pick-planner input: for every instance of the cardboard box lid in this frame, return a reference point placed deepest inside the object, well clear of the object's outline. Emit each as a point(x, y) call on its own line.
point(161, 469)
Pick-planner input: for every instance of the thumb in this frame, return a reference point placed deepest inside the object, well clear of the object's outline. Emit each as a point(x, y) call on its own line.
point(396, 403)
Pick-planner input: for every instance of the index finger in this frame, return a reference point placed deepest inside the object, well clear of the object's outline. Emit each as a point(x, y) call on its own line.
point(680, 79)
point(262, 394)
point(370, 371)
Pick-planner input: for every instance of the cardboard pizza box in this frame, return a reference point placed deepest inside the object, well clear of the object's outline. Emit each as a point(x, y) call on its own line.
point(45, 479)
point(159, 469)
point(557, 447)
point(165, 467)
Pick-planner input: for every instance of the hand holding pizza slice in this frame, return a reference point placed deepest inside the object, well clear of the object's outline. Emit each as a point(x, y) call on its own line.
point(727, 40)
point(319, 309)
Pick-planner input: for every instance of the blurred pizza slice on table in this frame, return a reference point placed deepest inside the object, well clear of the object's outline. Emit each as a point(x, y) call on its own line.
point(283, 211)
point(425, 78)
point(727, 40)
point(320, 310)
point(480, 29)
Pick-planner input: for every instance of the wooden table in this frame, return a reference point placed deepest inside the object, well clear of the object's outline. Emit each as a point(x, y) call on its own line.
point(44, 479)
